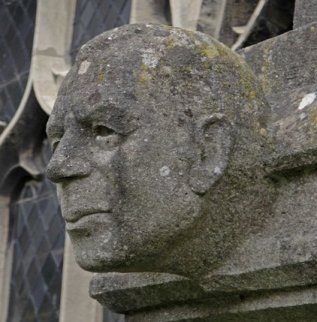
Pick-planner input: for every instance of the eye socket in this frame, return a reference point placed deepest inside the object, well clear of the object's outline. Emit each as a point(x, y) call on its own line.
point(103, 131)
point(105, 137)
point(55, 145)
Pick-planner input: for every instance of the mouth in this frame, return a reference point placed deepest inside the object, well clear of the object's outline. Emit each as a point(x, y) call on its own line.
point(89, 219)
point(73, 215)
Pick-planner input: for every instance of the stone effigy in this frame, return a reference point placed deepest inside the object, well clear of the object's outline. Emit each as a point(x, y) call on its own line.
point(171, 182)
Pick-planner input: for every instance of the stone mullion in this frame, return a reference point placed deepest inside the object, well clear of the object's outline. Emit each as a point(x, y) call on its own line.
point(148, 11)
point(76, 305)
point(5, 258)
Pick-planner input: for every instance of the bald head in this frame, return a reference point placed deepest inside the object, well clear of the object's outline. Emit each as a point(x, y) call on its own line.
point(155, 129)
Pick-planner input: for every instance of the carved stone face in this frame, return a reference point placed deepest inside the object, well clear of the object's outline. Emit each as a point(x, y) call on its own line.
point(122, 178)
point(141, 132)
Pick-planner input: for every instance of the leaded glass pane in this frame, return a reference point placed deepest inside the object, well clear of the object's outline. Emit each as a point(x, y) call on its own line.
point(17, 20)
point(96, 16)
point(37, 237)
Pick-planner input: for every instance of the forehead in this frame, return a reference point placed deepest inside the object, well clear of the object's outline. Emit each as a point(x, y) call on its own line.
point(116, 106)
point(84, 111)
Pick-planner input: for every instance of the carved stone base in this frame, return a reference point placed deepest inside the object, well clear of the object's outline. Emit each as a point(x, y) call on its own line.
point(162, 297)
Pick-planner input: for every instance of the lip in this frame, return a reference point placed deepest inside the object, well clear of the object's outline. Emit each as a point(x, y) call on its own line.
point(89, 219)
point(75, 215)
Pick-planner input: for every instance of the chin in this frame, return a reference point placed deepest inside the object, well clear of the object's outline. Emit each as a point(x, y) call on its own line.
point(96, 247)
point(96, 252)
point(97, 260)
point(94, 263)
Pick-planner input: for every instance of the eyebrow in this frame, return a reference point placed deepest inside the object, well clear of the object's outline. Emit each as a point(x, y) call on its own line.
point(85, 114)
point(109, 113)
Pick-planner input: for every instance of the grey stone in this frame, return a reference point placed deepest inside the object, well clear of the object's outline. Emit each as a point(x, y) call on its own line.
point(168, 157)
point(124, 292)
point(283, 66)
point(305, 12)
point(142, 131)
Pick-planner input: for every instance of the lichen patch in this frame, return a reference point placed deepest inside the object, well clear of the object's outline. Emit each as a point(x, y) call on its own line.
point(84, 67)
point(165, 171)
point(307, 100)
point(149, 58)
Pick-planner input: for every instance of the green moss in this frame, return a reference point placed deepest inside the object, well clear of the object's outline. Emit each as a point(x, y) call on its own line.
point(144, 79)
point(100, 77)
point(168, 28)
point(247, 79)
point(144, 76)
point(266, 67)
point(144, 67)
point(252, 94)
point(248, 84)
point(227, 85)
point(169, 42)
point(187, 69)
point(313, 118)
point(219, 68)
point(223, 51)
point(241, 69)
point(190, 34)
point(208, 51)
point(206, 65)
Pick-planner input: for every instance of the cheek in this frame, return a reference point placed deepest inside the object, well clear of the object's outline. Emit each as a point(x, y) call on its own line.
point(163, 159)
point(153, 169)
point(155, 165)
point(157, 196)
point(101, 158)
point(157, 211)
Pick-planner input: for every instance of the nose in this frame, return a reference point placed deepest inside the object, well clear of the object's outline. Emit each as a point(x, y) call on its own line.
point(68, 162)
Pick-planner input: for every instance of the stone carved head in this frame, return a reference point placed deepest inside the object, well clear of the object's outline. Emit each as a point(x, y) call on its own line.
point(158, 135)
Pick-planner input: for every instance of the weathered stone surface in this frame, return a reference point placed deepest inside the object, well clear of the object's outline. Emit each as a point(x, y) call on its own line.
point(178, 128)
point(284, 67)
point(305, 12)
point(294, 305)
point(129, 292)
point(172, 177)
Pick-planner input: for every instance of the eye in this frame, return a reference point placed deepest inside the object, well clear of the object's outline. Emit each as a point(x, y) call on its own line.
point(102, 131)
point(106, 137)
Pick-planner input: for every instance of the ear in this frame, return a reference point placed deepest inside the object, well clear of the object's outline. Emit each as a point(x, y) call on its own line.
point(214, 136)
